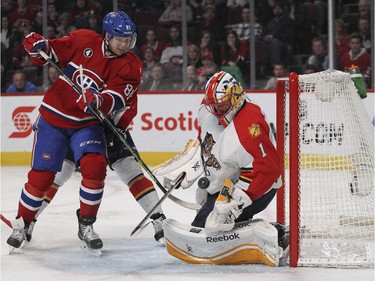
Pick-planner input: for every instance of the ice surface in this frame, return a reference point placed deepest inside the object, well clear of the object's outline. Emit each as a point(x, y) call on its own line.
point(55, 254)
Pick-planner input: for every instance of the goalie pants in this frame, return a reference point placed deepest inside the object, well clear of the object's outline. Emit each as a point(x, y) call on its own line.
point(248, 213)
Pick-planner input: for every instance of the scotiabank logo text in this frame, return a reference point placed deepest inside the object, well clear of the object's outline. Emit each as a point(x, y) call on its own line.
point(183, 122)
point(22, 122)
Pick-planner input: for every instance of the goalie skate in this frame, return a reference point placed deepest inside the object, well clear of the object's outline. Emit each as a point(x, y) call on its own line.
point(157, 222)
point(90, 240)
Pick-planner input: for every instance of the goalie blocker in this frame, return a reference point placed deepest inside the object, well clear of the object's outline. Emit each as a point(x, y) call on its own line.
point(248, 242)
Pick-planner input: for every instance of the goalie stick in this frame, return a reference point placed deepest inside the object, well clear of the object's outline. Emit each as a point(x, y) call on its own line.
point(149, 214)
point(104, 120)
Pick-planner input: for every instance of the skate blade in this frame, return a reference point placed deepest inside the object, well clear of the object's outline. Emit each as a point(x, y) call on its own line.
point(284, 260)
point(13, 250)
point(162, 242)
point(95, 252)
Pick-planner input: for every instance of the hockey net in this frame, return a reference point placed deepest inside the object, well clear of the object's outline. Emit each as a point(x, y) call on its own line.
point(326, 140)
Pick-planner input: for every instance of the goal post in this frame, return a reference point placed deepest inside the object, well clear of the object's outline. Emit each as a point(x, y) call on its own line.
point(326, 142)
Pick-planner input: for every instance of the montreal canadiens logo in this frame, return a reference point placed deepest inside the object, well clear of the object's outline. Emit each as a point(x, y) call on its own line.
point(88, 80)
point(88, 53)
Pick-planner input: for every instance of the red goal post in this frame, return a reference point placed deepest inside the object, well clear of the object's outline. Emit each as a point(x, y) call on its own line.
point(326, 143)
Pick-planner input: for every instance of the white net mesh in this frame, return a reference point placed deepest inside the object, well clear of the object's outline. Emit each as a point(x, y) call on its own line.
point(336, 180)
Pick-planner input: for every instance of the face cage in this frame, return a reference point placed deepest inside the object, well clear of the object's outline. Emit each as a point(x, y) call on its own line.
point(210, 105)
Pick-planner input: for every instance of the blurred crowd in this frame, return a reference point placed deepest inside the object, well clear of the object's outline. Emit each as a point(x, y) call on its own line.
point(289, 35)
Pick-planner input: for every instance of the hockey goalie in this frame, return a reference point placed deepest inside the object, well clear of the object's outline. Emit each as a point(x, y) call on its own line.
point(236, 166)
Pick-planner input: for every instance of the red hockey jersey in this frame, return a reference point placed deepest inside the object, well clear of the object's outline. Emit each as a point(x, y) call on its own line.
point(116, 78)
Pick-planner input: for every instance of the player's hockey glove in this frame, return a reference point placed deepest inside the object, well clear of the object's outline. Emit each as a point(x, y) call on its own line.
point(121, 131)
point(228, 206)
point(34, 42)
point(89, 99)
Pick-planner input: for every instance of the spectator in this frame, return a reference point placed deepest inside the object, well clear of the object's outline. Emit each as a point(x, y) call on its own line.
point(65, 25)
point(149, 61)
point(171, 57)
point(51, 32)
point(319, 57)
point(232, 4)
point(309, 68)
point(363, 12)
point(341, 38)
point(153, 43)
point(22, 14)
point(264, 11)
point(192, 82)
point(278, 69)
point(243, 28)
point(37, 22)
point(52, 15)
point(94, 23)
point(172, 15)
point(209, 23)
point(53, 75)
point(156, 81)
point(209, 67)
point(199, 6)
point(210, 45)
point(149, 5)
point(278, 35)
point(9, 39)
point(358, 56)
point(20, 85)
point(306, 17)
point(365, 31)
point(79, 12)
point(20, 56)
point(234, 56)
point(194, 56)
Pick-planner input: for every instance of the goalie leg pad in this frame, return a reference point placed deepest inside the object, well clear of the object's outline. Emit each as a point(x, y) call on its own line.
point(249, 242)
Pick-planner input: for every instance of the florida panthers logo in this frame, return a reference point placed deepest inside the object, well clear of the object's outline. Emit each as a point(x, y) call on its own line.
point(209, 158)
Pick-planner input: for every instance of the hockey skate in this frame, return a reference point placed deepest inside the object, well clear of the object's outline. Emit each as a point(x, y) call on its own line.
point(157, 222)
point(17, 238)
point(283, 235)
point(29, 232)
point(90, 239)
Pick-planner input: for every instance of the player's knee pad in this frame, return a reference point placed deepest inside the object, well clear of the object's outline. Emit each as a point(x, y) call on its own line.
point(127, 169)
point(93, 170)
point(39, 182)
point(65, 174)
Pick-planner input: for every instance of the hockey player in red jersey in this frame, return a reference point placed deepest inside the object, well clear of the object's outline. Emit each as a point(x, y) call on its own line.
point(109, 74)
point(242, 174)
point(129, 172)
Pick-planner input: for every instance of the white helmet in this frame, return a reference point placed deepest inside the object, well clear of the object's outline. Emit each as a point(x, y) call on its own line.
point(224, 97)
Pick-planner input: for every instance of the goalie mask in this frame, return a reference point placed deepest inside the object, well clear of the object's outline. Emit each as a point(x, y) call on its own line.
point(224, 97)
point(118, 24)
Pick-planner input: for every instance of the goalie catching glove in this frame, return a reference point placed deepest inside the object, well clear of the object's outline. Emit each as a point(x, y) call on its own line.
point(188, 161)
point(89, 99)
point(228, 207)
point(33, 43)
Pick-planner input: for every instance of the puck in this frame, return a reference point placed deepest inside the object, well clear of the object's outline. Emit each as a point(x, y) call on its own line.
point(203, 183)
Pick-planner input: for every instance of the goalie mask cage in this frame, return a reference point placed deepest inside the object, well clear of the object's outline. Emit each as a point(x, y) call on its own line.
point(326, 143)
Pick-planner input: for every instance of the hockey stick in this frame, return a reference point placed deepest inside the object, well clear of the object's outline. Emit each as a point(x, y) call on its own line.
point(162, 199)
point(104, 120)
point(14, 224)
